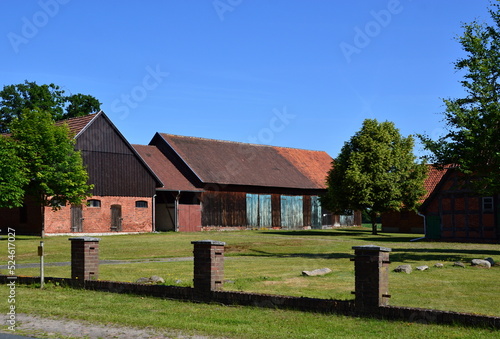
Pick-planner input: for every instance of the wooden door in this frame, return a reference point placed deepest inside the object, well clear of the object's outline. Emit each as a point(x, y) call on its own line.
point(292, 213)
point(252, 210)
point(265, 211)
point(116, 218)
point(76, 219)
point(315, 212)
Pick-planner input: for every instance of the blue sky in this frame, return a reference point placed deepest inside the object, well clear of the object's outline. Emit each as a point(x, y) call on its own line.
point(292, 73)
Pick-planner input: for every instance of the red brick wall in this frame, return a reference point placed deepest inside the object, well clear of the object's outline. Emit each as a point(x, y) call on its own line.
point(98, 219)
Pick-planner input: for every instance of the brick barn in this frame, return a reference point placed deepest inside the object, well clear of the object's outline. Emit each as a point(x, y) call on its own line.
point(455, 213)
point(406, 221)
point(449, 211)
point(123, 194)
point(212, 184)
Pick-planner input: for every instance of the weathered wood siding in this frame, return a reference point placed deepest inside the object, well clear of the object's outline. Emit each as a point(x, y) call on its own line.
point(223, 208)
point(113, 167)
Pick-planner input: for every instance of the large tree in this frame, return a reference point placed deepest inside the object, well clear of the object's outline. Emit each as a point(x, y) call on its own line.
point(13, 175)
point(472, 140)
point(376, 171)
point(51, 98)
point(43, 163)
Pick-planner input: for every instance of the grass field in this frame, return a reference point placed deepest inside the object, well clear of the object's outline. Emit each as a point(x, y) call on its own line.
point(268, 262)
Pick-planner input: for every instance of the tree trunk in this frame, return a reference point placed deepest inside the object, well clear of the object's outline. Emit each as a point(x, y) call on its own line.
point(373, 217)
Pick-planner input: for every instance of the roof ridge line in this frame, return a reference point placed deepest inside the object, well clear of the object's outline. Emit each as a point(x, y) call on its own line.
point(239, 142)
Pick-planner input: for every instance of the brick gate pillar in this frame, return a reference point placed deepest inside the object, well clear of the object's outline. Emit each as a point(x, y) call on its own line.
point(208, 266)
point(371, 270)
point(84, 258)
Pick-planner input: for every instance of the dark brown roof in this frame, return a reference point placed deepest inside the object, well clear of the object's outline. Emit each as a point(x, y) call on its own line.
point(234, 163)
point(169, 175)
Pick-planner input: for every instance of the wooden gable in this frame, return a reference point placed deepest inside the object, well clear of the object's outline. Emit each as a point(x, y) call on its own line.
point(114, 167)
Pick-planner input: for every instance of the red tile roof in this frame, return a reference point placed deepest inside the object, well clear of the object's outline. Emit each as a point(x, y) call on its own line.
point(314, 164)
point(234, 163)
point(169, 175)
point(434, 176)
point(76, 125)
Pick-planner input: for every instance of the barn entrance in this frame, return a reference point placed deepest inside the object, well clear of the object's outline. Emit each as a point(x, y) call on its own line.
point(76, 219)
point(116, 218)
point(177, 211)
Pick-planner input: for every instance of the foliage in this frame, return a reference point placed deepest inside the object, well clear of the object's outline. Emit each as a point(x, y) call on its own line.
point(13, 175)
point(376, 171)
point(51, 98)
point(472, 140)
point(53, 170)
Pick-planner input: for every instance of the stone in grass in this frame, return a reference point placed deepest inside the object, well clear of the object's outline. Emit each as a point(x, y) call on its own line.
point(423, 268)
point(492, 262)
point(439, 265)
point(152, 280)
point(459, 264)
point(481, 263)
point(319, 271)
point(404, 268)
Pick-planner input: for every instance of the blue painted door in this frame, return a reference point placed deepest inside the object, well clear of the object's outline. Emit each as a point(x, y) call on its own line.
point(292, 212)
point(253, 210)
point(265, 211)
point(315, 212)
point(259, 211)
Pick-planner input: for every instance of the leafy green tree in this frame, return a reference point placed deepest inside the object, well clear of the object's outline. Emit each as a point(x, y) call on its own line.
point(13, 176)
point(472, 140)
point(376, 171)
point(50, 98)
point(53, 170)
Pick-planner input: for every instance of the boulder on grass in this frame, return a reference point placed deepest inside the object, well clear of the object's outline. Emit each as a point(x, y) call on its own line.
point(481, 263)
point(404, 268)
point(423, 268)
point(156, 279)
point(319, 271)
point(492, 262)
point(459, 264)
point(151, 280)
point(439, 265)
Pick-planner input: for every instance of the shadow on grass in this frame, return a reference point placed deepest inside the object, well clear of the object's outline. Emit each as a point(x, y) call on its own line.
point(357, 233)
point(438, 254)
point(259, 253)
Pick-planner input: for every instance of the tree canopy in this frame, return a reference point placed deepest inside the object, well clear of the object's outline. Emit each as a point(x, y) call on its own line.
point(39, 159)
point(376, 171)
point(14, 99)
point(472, 140)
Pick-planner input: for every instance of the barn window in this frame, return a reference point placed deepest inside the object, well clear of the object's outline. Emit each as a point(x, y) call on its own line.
point(141, 204)
point(94, 203)
point(487, 204)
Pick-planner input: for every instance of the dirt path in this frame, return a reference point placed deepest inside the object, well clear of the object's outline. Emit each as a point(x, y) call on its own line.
point(39, 327)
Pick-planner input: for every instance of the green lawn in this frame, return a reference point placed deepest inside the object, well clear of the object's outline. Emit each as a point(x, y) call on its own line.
point(272, 262)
